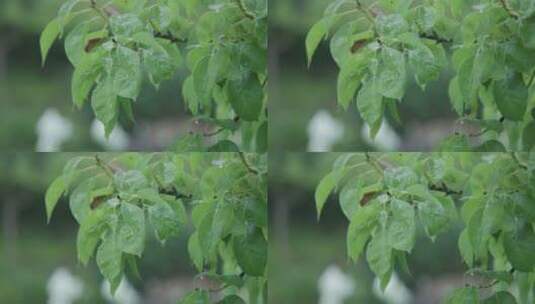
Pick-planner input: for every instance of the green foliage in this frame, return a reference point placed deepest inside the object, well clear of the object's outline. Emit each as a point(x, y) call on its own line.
point(218, 198)
point(489, 43)
point(386, 196)
point(115, 45)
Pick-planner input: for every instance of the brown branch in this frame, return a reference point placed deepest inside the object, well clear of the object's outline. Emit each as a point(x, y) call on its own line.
point(168, 36)
point(509, 10)
point(435, 37)
point(244, 9)
point(246, 164)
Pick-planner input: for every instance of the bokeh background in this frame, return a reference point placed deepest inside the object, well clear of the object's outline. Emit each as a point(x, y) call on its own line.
point(304, 112)
point(38, 260)
point(307, 258)
point(36, 110)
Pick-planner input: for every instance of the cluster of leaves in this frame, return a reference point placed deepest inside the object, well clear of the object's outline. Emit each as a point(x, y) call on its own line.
point(384, 196)
point(219, 197)
point(222, 43)
point(490, 44)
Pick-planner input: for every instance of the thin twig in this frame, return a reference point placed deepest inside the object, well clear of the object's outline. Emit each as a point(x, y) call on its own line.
point(374, 164)
point(246, 164)
point(509, 10)
point(435, 37)
point(244, 9)
point(366, 12)
point(520, 164)
point(107, 169)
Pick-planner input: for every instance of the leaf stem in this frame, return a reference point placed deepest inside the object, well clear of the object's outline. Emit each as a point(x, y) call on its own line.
point(105, 167)
point(366, 12)
point(246, 164)
point(374, 164)
point(520, 164)
point(95, 7)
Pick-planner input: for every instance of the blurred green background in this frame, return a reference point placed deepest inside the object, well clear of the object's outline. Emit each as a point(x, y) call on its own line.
point(297, 94)
point(302, 249)
point(32, 251)
point(27, 90)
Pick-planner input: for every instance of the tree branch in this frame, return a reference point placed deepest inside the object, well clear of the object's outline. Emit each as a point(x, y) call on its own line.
point(509, 10)
point(246, 164)
point(434, 36)
point(244, 9)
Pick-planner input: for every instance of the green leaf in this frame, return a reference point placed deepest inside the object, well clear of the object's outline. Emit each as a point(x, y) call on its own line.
point(64, 12)
point(195, 251)
point(371, 105)
point(427, 61)
point(316, 34)
point(91, 229)
point(528, 136)
point(196, 297)
point(400, 178)
point(84, 77)
point(190, 97)
point(52, 196)
point(504, 276)
point(360, 228)
point(126, 72)
point(131, 229)
point(214, 227)
point(455, 143)
point(48, 36)
point(434, 216)
point(520, 250)
point(262, 138)
point(490, 146)
point(126, 25)
point(465, 247)
point(350, 77)
point(467, 295)
point(75, 43)
point(227, 279)
point(80, 200)
point(104, 103)
point(109, 260)
point(250, 250)
point(456, 96)
point(224, 146)
point(165, 221)
point(246, 95)
point(502, 297)
point(401, 227)
point(232, 299)
point(391, 74)
point(161, 59)
point(131, 181)
point(527, 33)
point(379, 252)
point(324, 189)
point(511, 96)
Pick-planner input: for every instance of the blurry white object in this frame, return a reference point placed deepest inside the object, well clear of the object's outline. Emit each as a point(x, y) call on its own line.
point(52, 130)
point(335, 286)
point(395, 293)
point(386, 140)
point(125, 294)
point(63, 287)
point(117, 141)
point(323, 132)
